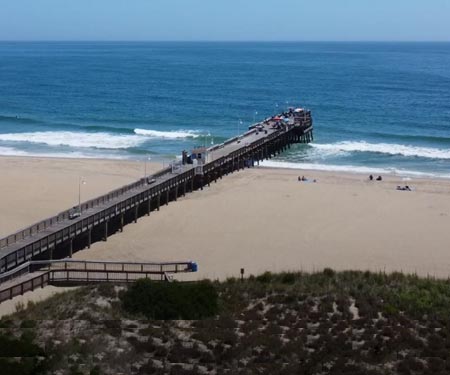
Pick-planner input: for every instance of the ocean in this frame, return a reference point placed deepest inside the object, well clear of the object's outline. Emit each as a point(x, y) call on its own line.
point(377, 107)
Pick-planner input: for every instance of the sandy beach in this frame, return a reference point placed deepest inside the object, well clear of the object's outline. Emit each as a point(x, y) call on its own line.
point(257, 219)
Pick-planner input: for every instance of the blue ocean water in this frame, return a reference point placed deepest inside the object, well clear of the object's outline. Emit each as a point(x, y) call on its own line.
point(377, 106)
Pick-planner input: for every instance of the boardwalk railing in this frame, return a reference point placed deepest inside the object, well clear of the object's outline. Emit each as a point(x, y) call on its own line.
point(38, 274)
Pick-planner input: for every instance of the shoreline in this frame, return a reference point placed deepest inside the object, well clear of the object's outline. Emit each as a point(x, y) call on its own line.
point(267, 164)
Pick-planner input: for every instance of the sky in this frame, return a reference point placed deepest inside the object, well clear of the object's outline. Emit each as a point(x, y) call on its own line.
point(225, 20)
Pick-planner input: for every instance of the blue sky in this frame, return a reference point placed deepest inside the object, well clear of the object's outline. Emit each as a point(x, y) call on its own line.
point(267, 20)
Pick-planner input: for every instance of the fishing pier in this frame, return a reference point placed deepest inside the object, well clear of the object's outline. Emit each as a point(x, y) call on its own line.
point(60, 236)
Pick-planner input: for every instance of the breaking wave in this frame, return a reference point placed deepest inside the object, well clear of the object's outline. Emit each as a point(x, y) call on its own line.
point(76, 139)
point(385, 148)
point(170, 134)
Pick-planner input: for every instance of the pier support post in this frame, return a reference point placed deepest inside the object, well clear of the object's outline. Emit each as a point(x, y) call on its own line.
point(105, 238)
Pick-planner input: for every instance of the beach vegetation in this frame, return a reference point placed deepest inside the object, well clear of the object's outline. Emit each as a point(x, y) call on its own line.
point(171, 300)
point(274, 323)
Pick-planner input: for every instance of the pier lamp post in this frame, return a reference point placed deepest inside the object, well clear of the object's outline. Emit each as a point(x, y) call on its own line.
point(80, 182)
point(145, 167)
point(239, 127)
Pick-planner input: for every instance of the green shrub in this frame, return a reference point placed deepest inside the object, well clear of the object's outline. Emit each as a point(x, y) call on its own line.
point(168, 301)
point(21, 356)
point(288, 278)
point(328, 272)
point(265, 278)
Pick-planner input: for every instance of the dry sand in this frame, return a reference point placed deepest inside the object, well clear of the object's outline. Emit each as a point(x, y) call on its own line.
point(258, 219)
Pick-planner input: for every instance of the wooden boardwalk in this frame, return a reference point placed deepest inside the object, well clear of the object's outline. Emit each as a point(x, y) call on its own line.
point(38, 274)
point(59, 237)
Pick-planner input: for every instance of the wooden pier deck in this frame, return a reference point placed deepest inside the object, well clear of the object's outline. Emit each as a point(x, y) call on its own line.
point(59, 237)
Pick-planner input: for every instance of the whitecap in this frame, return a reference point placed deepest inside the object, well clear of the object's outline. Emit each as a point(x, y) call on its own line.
point(175, 134)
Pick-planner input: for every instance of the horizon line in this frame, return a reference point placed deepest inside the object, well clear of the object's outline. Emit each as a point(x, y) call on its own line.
point(211, 41)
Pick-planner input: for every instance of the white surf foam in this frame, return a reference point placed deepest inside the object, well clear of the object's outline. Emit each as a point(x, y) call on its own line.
point(385, 148)
point(170, 134)
point(351, 169)
point(9, 151)
point(76, 139)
